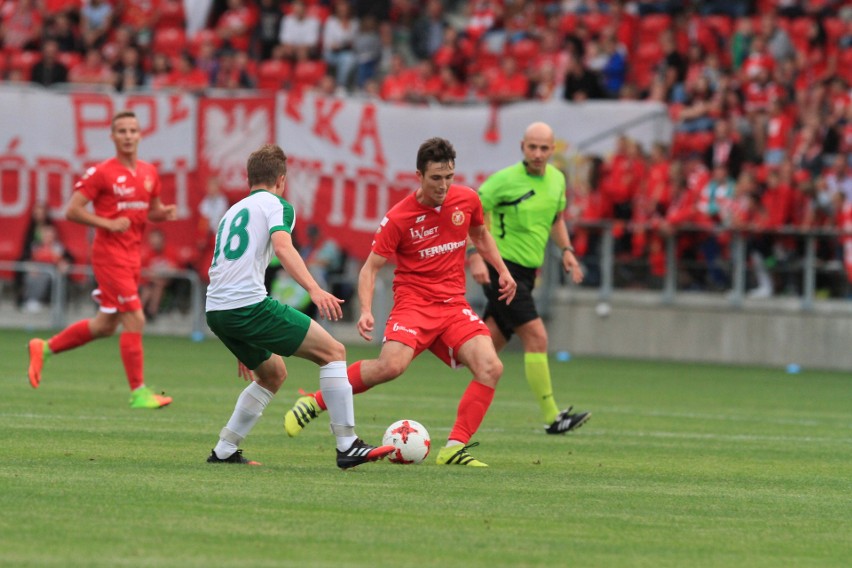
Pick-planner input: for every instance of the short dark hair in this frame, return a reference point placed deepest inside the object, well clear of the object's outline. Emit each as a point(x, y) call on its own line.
point(122, 114)
point(266, 165)
point(437, 150)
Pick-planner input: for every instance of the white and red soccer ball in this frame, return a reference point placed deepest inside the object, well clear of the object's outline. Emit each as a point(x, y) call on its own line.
point(410, 439)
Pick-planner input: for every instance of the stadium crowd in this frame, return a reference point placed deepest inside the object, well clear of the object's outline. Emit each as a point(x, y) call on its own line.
point(758, 90)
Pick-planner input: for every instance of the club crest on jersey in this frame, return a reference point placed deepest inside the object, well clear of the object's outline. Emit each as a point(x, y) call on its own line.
point(149, 184)
point(457, 217)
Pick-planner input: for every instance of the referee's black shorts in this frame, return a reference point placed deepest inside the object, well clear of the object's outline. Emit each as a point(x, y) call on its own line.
point(521, 310)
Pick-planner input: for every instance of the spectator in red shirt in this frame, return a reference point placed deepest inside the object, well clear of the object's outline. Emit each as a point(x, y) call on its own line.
point(125, 193)
point(235, 25)
point(20, 25)
point(140, 16)
point(778, 134)
point(746, 214)
point(161, 69)
point(452, 91)
point(159, 264)
point(510, 84)
point(394, 87)
point(91, 70)
point(48, 249)
point(186, 75)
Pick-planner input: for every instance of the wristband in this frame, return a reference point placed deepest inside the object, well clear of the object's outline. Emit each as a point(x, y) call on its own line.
point(569, 248)
point(470, 251)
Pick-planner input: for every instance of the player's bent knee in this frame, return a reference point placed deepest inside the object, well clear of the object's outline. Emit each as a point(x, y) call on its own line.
point(489, 373)
point(389, 370)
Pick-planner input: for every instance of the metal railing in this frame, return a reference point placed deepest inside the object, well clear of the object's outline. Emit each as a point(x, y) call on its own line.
point(59, 286)
point(800, 271)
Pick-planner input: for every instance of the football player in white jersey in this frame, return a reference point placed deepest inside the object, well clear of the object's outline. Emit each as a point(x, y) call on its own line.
point(259, 330)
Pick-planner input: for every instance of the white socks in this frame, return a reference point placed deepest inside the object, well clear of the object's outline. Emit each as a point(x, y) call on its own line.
point(337, 394)
point(250, 406)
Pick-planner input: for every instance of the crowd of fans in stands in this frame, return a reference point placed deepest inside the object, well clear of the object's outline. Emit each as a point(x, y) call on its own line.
point(759, 91)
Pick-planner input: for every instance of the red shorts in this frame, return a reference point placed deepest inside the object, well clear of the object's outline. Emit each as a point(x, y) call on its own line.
point(118, 287)
point(441, 328)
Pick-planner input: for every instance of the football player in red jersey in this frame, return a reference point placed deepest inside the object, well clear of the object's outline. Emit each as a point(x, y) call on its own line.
point(125, 193)
point(426, 233)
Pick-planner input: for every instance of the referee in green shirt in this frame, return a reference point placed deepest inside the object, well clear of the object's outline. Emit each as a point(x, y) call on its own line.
point(524, 204)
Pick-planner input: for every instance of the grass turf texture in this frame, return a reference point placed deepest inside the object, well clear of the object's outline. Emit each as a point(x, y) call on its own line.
point(681, 465)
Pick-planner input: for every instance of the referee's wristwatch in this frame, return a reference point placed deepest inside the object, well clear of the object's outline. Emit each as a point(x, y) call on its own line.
point(569, 248)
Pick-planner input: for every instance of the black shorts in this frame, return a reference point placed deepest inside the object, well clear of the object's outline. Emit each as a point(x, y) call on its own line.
point(521, 310)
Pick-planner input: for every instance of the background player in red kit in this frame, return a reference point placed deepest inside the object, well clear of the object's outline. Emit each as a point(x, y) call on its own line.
point(125, 192)
point(425, 234)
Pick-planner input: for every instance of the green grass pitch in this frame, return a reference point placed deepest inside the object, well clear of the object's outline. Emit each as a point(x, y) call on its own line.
point(680, 465)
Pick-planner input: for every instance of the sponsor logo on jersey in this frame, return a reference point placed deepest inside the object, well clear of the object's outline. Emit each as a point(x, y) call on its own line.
point(441, 249)
point(125, 205)
point(419, 234)
point(397, 327)
point(457, 217)
point(122, 190)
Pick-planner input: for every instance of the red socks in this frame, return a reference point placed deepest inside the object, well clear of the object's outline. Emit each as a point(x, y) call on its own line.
point(354, 374)
point(473, 405)
point(130, 345)
point(74, 335)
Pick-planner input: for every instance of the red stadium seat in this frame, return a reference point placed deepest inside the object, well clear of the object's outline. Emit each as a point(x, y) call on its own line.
point(652, 26)
point(523, 51)
point(23, 62)
point(308, 73)
point(844, 65)
point(596, 22)
point(171, 41)
point(721, 24)
point(201, 37)
point(69, 58)
point(273, 74)
point(171, 15)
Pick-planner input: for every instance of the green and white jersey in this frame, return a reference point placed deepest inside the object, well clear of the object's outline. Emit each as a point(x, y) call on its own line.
point(523, 209)
point(244, 248)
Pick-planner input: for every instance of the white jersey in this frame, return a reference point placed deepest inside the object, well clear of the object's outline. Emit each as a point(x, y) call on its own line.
point(244, 248)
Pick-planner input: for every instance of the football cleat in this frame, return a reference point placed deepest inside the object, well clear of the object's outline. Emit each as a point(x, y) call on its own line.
point(38, 352)
point(361, 452)
point(305, 410)
point(143, 397)
point(565, 421)
point(457, 455)
point(236, 457)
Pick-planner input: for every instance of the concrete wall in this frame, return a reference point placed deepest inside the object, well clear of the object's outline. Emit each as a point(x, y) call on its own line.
point(704, 328)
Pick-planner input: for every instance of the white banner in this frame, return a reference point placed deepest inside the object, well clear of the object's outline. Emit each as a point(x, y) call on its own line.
point(350, 159)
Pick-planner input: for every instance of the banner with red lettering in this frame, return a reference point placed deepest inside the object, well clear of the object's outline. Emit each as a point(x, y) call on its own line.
point(350, 159)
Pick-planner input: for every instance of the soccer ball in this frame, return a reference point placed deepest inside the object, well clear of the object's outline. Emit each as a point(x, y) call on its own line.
point(410, 439)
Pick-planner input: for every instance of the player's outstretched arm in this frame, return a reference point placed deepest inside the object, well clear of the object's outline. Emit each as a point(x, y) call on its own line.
point(328, 305)
point(366, 288)
point(484, 243)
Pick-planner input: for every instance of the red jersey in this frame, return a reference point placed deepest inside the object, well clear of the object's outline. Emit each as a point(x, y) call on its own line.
point(115, 191)
point(429, 244)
